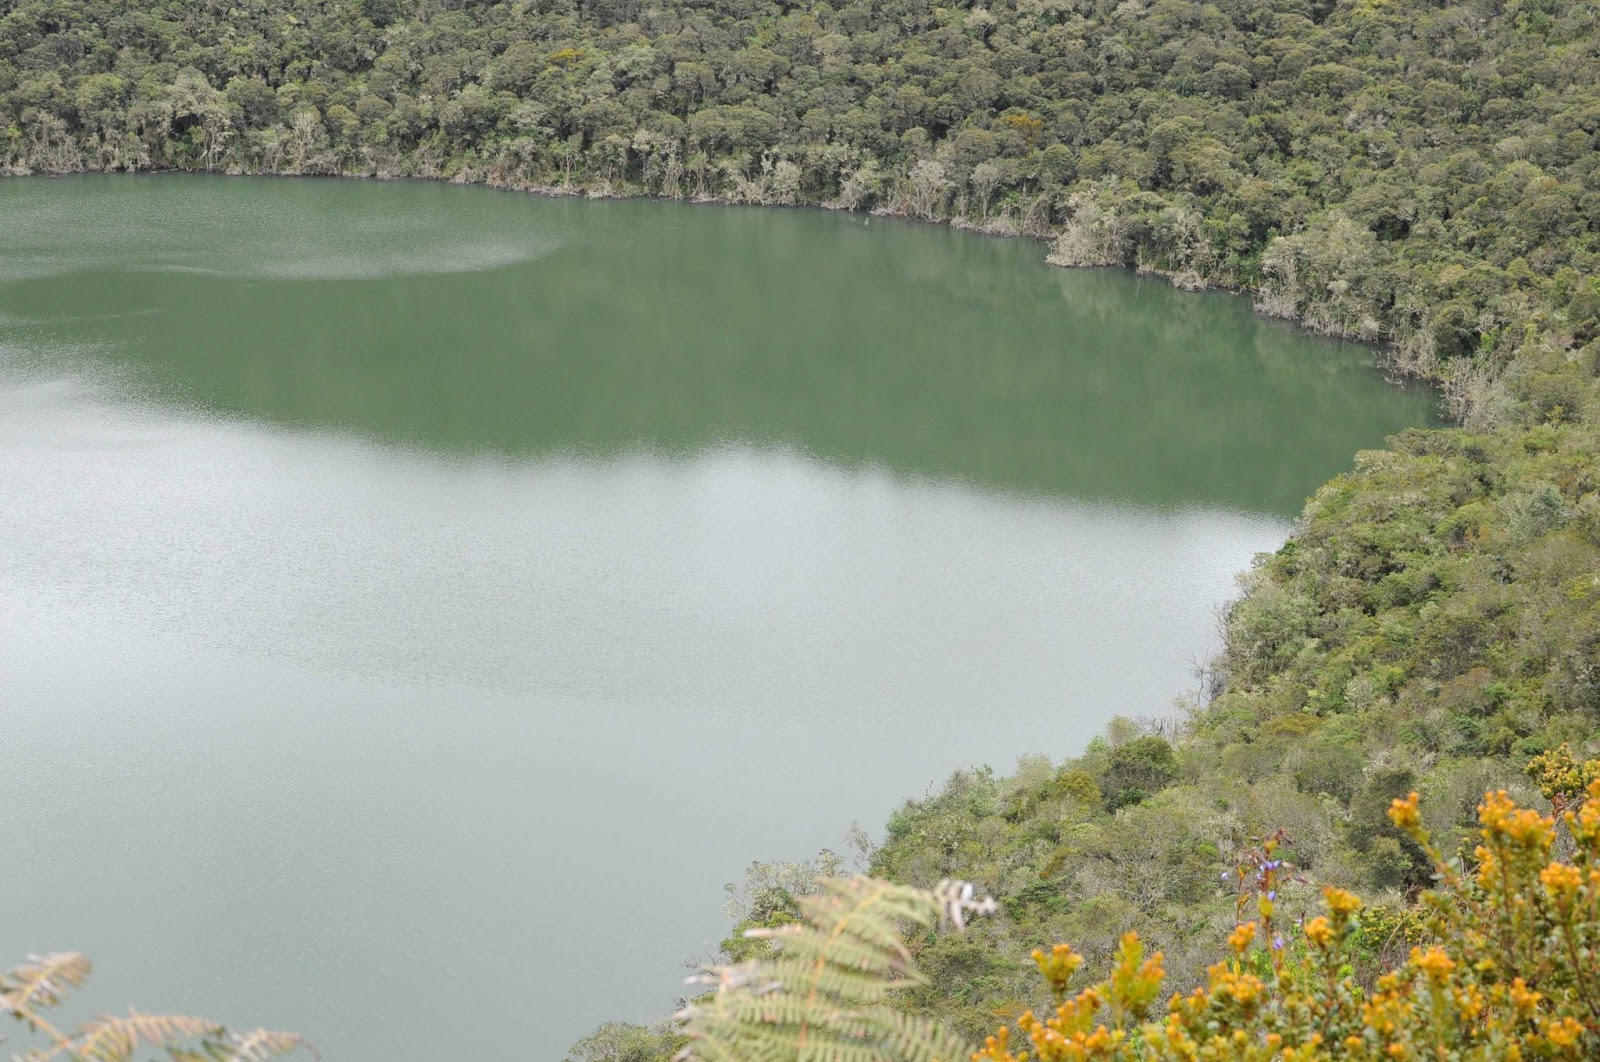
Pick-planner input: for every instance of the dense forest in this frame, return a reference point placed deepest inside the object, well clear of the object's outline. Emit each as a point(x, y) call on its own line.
point(1423, 175)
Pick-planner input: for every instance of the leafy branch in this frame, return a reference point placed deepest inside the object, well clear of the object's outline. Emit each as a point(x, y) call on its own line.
point(817, 997)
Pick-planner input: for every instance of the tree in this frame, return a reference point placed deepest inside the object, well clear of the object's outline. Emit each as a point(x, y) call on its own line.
point(1138, 769)
point(929, 187)
point(985, 177)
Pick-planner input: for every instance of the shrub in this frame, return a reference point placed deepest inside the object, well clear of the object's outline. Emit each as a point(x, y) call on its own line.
point(1499, 964)
point(1504, 966)
point(1137, 770)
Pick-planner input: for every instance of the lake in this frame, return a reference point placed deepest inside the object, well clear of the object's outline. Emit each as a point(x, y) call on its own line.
point(417, 601)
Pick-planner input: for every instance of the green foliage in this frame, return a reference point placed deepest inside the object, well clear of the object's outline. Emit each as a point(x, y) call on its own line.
point(1494, 962)
point(1138, 769)
point(819, 995)
point(1433, 623)
point(617, 1041)
point(769, 897)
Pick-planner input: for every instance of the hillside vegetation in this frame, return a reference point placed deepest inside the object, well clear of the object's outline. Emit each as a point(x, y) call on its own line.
point(1423, 175)
point(1503, 968)
point(1419, 173)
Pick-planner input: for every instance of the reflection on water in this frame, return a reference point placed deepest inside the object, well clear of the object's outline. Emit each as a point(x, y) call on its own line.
point(626, 324)
point(637, 576)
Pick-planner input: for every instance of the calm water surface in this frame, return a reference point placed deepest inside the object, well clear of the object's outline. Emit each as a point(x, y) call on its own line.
point(415, 601)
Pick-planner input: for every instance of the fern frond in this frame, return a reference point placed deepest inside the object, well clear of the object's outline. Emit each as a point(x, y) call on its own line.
point(823, 995)
point(260, 1045)
point(257, 1045)
point(918, 1039)
point(111, 1038)
point(843, 980)
point(42, 981)
point(886, 958)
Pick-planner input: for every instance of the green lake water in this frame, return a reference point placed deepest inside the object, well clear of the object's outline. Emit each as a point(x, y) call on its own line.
point(416, 601)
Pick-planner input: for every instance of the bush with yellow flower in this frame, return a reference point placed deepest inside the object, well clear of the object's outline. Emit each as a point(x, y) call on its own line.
point(1507, 966)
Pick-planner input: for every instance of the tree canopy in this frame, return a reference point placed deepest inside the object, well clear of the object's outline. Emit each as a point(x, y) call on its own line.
point(1423, 174)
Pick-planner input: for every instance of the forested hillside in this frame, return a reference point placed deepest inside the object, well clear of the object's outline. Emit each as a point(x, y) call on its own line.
point(1433, 626)
point(1419, 173)
point(1423, 175)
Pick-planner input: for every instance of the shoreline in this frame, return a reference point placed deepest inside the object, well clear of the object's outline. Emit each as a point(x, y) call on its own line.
point(1386, 352)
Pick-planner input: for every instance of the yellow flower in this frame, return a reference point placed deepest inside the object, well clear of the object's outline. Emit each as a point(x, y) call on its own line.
point(1405, 815)
point(1586, 823)
point(995, 1048)
point(1342, 904)
point(1563, 1033)
point(1454, 1000)
point(1502, 819)
point(1246, 989)
point(1058, 967)
point(1560, 880)
point(1433, 962)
